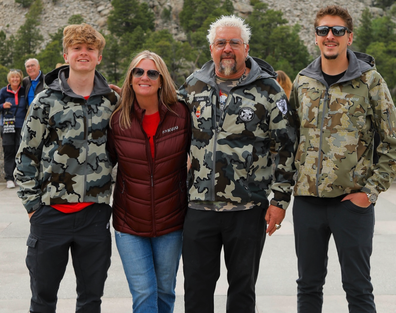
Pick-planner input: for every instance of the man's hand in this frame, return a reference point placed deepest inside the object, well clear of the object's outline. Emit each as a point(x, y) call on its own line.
point(274, 217)
point(358, 198)
point(115, 88)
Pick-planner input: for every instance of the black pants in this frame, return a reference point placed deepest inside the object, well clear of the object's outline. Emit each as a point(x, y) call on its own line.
point(242, 235)
point(52, 234)
point(315, 220)
point(10, 147)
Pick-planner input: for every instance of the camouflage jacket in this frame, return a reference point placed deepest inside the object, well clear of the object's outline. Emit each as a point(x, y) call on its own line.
point(62, 156)
point(335, 151)
point(233, 158)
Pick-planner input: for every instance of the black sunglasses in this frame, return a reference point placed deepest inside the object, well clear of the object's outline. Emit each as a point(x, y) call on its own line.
point(338, 31)
point(139, 72)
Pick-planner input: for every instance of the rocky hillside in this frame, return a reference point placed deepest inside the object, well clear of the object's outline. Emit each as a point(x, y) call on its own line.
point(95, 12)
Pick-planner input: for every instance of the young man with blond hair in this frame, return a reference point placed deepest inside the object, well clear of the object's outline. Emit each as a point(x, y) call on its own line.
point(65, 175)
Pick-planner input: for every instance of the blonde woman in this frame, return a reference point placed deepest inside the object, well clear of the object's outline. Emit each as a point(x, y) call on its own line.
point(149, 139)
point(13, 108)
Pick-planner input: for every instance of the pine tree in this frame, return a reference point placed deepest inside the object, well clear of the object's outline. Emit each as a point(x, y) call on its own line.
point(28, 37)
point(364, 34)
point(122, 19)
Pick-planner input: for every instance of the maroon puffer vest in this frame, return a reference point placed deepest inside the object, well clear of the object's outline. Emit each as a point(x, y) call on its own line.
point(150, 196)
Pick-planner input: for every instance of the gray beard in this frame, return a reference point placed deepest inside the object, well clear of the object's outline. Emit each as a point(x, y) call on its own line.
point(227, 69)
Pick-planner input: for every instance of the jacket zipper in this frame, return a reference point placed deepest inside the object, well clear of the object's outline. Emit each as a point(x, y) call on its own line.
point(151, 164)
point(320, 156)
point(212, 196)
point(86, 144)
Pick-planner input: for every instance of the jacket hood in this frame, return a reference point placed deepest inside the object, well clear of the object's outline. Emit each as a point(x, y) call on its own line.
point(358, 64)
point(258, 69)
point(57, 80)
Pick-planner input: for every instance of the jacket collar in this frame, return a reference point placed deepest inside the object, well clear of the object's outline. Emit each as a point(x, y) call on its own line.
point(57, 80)
point(258, 69)
point(359, 63)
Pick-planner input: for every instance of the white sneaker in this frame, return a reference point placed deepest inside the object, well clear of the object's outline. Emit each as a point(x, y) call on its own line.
point(10, 184)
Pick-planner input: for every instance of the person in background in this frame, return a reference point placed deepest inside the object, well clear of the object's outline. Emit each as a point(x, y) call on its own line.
point(240, 118)
point(149, 138)
point(285, 82)
point(341, 102)
point(64, 175)
point(13, 107)
point(34, 83)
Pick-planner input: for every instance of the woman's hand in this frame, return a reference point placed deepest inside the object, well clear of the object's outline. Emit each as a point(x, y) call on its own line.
point(7, 105)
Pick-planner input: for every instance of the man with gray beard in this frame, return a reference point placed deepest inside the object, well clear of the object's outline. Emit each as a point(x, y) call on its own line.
point(240, 118)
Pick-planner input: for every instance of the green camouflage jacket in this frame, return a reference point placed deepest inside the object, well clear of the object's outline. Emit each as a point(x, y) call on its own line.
point(233, 158)
point(62, 156)
point(335, 151)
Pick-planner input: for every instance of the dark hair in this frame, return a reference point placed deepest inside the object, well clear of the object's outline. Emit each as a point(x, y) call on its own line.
point(335, 10)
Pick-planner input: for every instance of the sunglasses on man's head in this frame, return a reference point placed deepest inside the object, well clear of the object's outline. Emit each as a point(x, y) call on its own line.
point(139, 72)
point(338, 31)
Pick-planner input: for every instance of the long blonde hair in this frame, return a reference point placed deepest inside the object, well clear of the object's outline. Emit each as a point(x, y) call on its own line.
point(167, 93)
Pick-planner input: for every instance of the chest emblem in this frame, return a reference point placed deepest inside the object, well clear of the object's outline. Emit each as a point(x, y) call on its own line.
point(246, 114)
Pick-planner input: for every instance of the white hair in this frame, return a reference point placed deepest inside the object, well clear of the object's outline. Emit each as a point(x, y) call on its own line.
point(229, 21)
point(32, 59)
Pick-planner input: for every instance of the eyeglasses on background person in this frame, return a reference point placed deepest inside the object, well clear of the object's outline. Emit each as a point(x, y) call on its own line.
point(16, 70)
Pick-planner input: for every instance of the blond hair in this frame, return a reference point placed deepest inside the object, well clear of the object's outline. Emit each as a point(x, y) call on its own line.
point(82, 34)
point(166, 94)
point(285, 82)
point(13, 72)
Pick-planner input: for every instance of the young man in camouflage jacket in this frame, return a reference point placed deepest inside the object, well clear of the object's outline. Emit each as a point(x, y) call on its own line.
point(341, 101)
point(241, 123)
point(65, 175)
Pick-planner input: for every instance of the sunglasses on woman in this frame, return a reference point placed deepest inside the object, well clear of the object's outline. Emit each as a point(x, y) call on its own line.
point(16, 70)
point(139, 72)
point(338, 31)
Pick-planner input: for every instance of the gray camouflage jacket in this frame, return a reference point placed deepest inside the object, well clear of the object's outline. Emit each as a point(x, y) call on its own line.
point(335, 152)
point(233, 158)
point(62, 156)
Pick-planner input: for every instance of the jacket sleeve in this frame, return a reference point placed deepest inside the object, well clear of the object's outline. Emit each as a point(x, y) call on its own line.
point(2, 100)
point(284, 132)
point(384, 115)
point(29, 156)
point(110, 146)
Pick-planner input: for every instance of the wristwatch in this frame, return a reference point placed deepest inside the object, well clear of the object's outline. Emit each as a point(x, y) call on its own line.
point(372, 197)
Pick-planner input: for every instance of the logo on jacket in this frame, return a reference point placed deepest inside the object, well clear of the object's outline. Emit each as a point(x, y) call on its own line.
point(282, 106)
point(198, 111)
point(246, 114)
point(169, 130)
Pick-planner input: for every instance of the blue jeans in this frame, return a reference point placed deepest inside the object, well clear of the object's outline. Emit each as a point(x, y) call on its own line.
point(150, 266)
